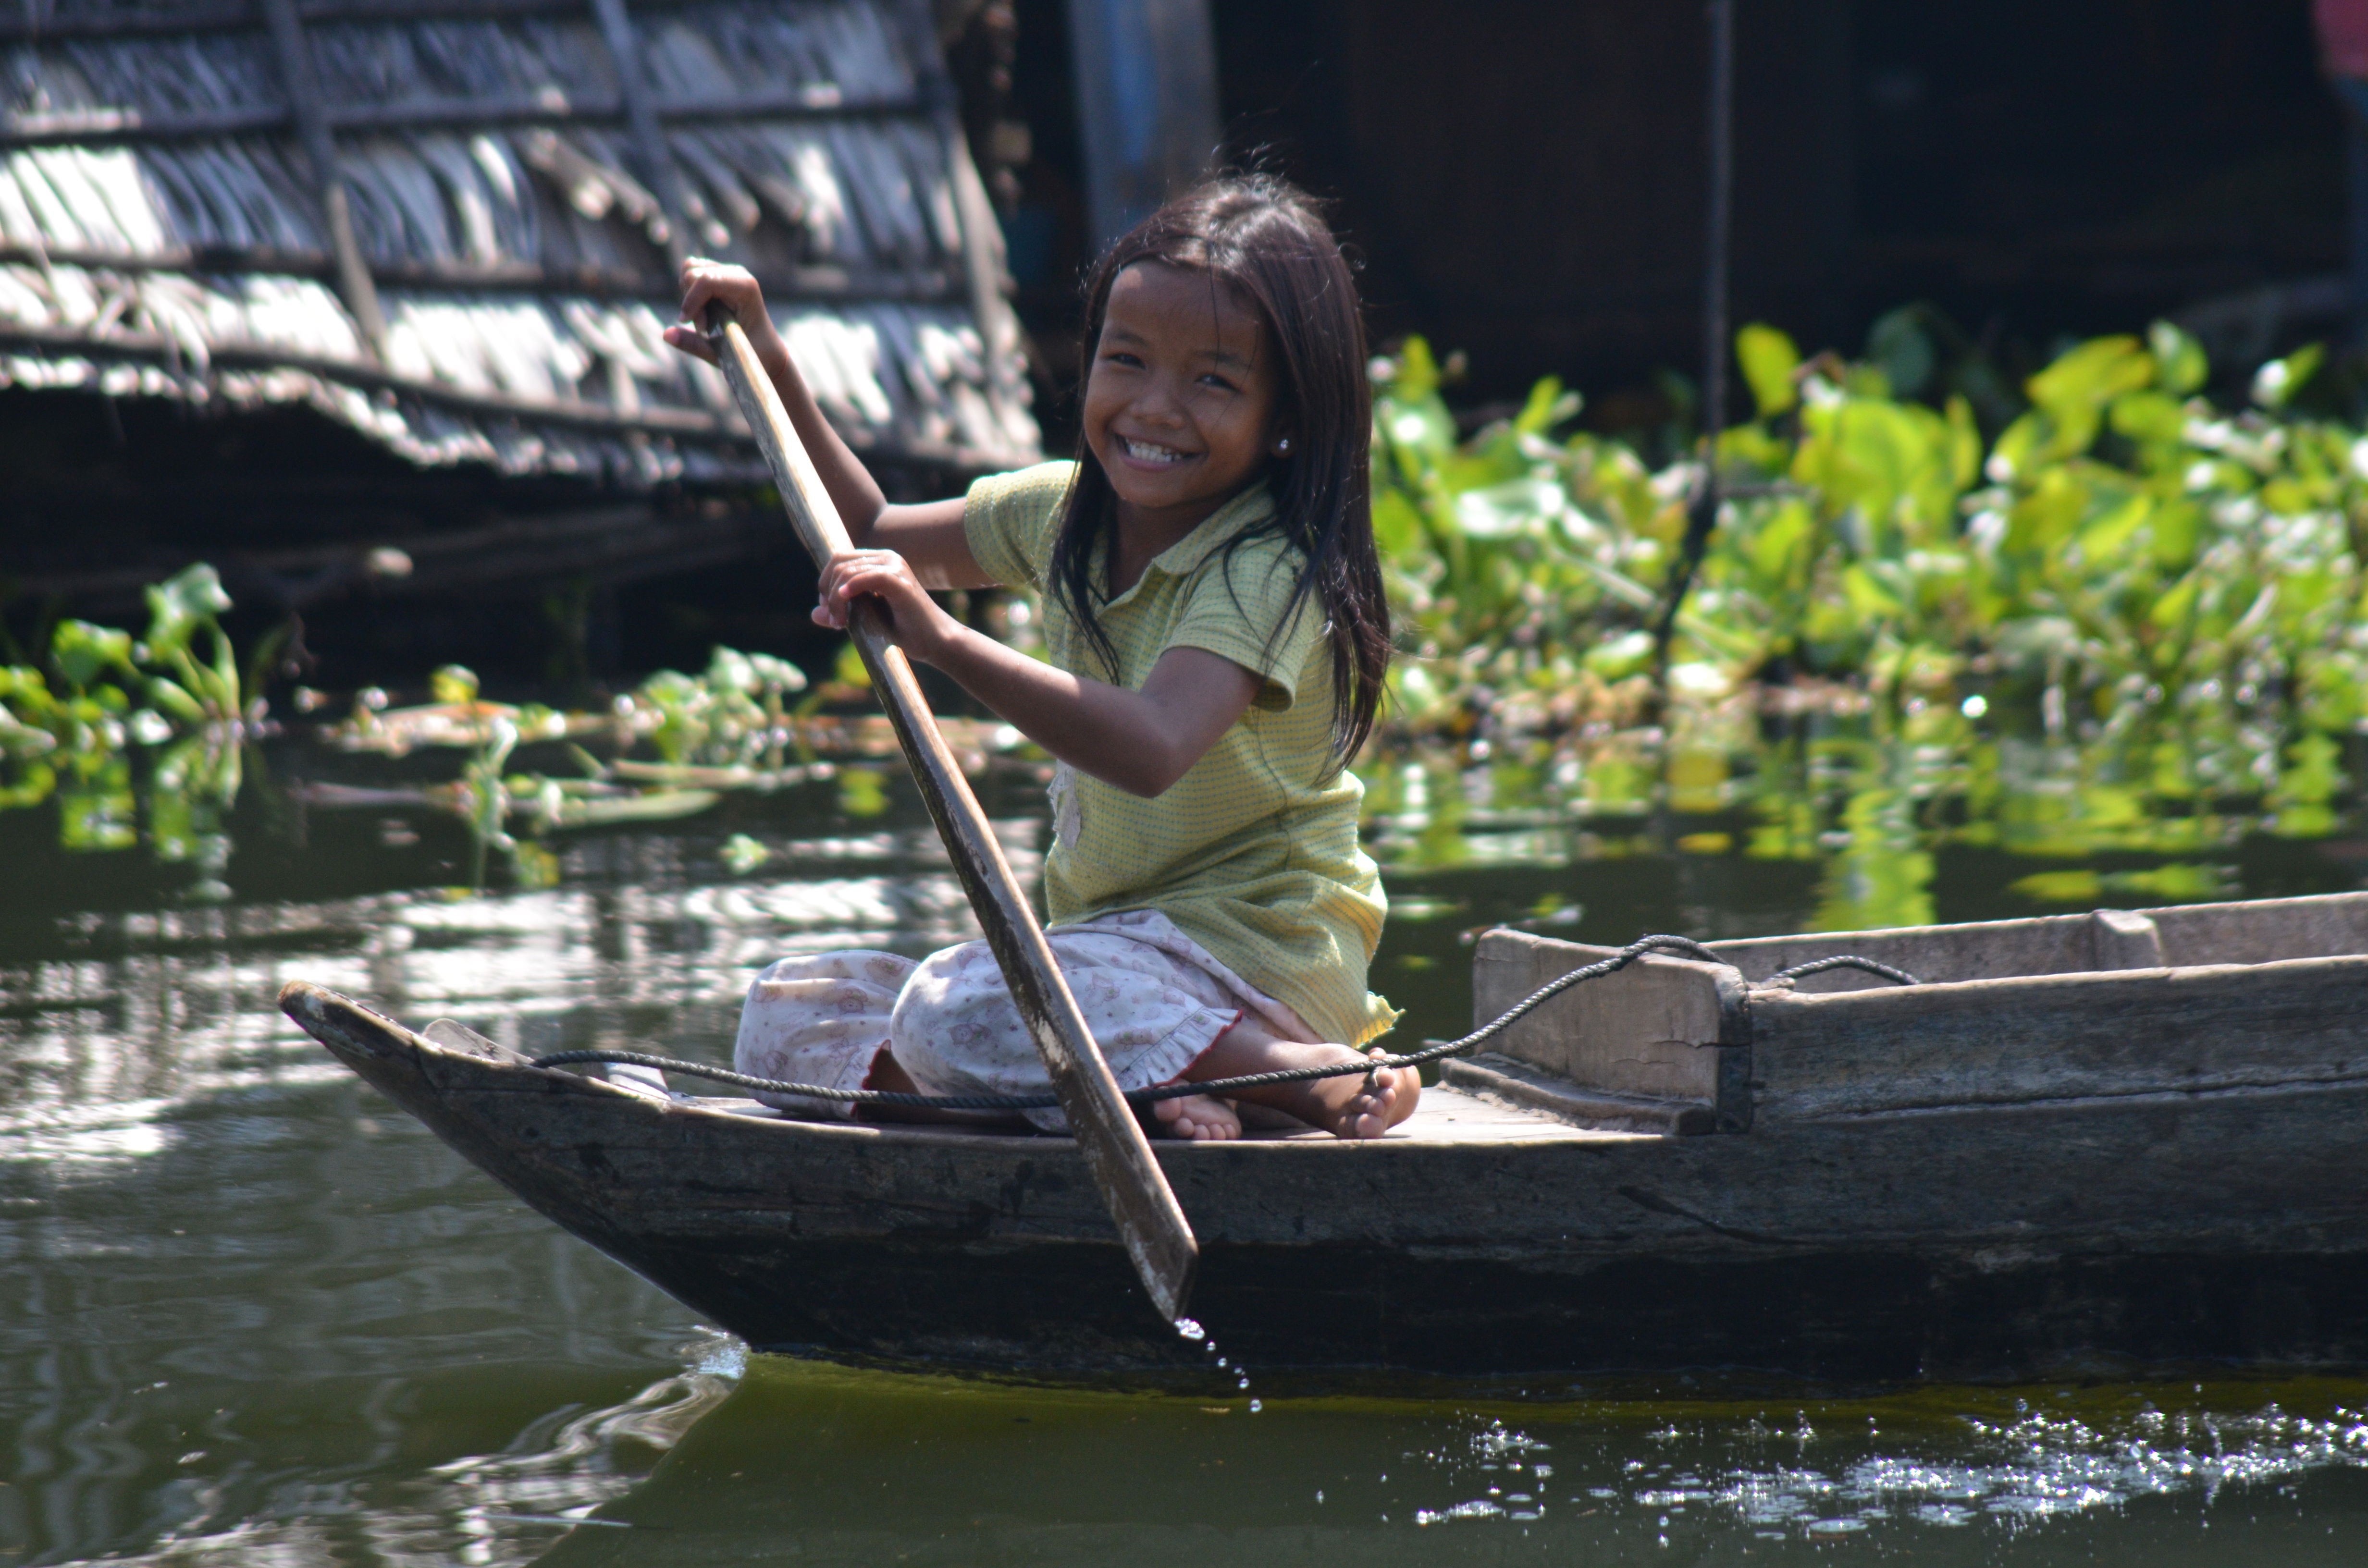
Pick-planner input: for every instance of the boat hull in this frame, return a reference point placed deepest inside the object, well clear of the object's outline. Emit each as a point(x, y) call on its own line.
point(1978, 1243)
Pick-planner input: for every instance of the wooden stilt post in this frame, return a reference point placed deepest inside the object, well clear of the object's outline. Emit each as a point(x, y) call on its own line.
point(1146, 74)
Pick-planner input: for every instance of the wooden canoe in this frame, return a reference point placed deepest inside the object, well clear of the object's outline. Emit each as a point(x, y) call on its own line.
point(2086, 1144)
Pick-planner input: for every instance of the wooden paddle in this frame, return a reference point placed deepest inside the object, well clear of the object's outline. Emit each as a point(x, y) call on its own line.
point(1150, 1222)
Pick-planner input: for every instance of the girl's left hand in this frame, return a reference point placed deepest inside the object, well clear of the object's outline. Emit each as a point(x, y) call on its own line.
point(920, 628)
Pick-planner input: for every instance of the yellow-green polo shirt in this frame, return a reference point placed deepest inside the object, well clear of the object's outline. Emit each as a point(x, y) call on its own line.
point(1253, 853)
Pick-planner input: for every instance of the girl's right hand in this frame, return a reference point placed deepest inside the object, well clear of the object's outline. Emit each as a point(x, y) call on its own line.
point(706, 282)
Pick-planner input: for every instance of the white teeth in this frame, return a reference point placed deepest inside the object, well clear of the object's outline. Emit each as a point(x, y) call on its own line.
point(1144, 451)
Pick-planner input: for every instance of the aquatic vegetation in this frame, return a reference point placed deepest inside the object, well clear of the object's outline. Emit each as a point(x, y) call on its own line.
point(178, 692)
point(2123, 555)
point(148, 739)
point(2125, 615)
point(2107, 618)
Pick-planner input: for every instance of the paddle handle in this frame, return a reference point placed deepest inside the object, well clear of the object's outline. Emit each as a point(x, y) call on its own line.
point(1151, 1223)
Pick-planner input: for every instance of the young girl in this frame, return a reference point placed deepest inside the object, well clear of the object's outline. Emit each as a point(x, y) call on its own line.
point(1218, 637)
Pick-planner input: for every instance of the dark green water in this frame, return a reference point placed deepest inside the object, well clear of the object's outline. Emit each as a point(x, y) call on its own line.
point(252, 1314)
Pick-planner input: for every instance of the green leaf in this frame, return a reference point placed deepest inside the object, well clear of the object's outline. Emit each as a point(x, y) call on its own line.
point(1548, 406)
point(2074, 390)
point(2172, 608)
point(777, 673)
point(1773, 550)
point(1965, 444)
point(2018, 443)
point(1398, 526)
point(742, 854)
point(2180, 364)
point(2101, 540)
point(2060, 887)
point(83, 652)
point(2044, 520)
point(1624, 656)
point(862, 791)
point(179, 606)
point(1869, 598)
point(1418, 372)
point(175, 701)
point(453, 683)
point(850, 670)
point(2150, 416)
point(2178, 529)
point(1769, 359)
point(728, 669)
point(2276, 383)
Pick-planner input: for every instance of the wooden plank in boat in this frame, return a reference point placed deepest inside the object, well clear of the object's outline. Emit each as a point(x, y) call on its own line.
point(2257, 931)
point(2265, 930)
point(2061, 1037)
point(1662, 1029)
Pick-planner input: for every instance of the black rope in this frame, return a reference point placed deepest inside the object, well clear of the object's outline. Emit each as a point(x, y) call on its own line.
point(1434, 1051)
point(1819, 966)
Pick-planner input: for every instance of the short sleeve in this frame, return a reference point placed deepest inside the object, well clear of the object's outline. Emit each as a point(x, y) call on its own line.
point(1008, 521)
point(1234, 605)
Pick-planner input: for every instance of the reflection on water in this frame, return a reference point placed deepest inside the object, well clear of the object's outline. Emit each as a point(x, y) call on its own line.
point(251, 1314)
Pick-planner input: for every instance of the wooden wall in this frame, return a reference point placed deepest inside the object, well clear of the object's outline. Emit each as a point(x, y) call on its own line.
point(1525, 176)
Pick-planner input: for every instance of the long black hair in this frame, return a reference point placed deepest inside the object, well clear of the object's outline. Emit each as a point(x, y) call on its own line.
point(1264, 239)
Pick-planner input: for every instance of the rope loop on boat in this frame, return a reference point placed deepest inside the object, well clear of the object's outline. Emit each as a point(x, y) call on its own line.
point(1433, 1051)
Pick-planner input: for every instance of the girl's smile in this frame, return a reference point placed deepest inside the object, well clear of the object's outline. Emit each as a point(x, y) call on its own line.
point(1181, 401)
point(1150, 454)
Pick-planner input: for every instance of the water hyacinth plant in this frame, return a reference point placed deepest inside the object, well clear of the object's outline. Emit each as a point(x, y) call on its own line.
point(66, 731)
point(2123, 558)
point(2106, 618)
point(143, 740)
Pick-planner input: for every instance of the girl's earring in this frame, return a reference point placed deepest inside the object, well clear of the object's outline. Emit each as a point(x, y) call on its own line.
point(1283, 448)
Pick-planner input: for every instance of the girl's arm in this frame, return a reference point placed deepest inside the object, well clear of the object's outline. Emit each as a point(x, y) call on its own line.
point(929, 536)
point(1141, 741)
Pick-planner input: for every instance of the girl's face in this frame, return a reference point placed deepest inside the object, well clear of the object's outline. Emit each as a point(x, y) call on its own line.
point(1181, 406)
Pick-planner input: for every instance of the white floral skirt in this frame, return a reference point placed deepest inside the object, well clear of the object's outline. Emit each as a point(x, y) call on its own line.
point(1154, 998)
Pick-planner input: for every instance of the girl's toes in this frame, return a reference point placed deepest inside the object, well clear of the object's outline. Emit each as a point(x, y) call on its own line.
point(1199, 1118)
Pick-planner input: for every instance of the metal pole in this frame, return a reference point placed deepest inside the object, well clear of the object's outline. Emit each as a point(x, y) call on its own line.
point(1702, 514)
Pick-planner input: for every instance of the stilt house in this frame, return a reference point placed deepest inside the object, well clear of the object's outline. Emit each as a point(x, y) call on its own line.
point(451, 226)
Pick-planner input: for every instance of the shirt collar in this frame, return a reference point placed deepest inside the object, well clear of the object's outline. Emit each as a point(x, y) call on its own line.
point(1255, 505)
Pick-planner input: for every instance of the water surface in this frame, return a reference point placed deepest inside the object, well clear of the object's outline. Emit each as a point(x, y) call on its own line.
point(252, 1313)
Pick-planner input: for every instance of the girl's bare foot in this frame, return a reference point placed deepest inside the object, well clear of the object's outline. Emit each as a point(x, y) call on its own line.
point(1351, 1106)
point(1346, 1107)
point(1201, 1118)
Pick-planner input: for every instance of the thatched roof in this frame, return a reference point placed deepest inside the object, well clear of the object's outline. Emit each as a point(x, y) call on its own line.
point(487, 277)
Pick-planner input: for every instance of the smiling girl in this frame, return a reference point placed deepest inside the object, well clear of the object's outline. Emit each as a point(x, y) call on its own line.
point(1218, 639)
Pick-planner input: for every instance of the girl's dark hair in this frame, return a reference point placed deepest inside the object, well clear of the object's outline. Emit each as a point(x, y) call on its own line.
point(1263, 238)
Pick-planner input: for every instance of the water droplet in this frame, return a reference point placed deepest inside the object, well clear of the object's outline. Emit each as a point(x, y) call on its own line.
point(1245, 1382)
point(1190, 1330)
point(1255, 1406)
point(1221, 1361)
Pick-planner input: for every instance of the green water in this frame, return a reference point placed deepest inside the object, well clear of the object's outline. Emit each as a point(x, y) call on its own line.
point(252, 1314)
